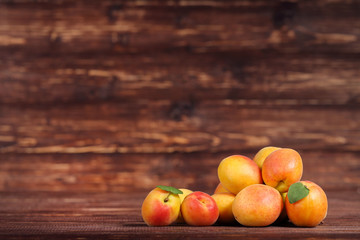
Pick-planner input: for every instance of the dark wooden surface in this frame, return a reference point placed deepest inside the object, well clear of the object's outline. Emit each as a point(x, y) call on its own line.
point(100, 101)
point(45, 215)
point(91, 196)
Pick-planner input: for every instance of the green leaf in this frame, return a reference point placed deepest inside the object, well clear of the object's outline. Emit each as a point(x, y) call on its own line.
point(297, 191)
point(170, 189)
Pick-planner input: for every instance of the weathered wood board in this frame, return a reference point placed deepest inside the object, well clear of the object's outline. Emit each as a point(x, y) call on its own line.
point(100, 101)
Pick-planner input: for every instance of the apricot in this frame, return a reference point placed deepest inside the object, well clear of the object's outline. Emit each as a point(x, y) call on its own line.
point(257, 205)
point(282, 168)
point(309, 211)
point(262, 154)
point(224, 202)
point(160, 208)
point(199, 209)
point(237, 172)
point(182, 197)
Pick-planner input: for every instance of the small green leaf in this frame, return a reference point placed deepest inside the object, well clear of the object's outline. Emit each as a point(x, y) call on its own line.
point(170, 189)
point(297, 191)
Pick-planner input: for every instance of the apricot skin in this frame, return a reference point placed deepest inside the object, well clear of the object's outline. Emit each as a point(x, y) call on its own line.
point(220, 189)
point(224, 202)
point(309, 211)
point(262, 154)
point(159, 208)
point(182, 197)
point(237, 172)
point(257, 205)
point(282, 168)
point(199, 209)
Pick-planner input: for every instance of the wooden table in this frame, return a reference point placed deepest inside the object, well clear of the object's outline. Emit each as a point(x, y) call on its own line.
point(115, 213)
point(74, 215)
point(100, 101)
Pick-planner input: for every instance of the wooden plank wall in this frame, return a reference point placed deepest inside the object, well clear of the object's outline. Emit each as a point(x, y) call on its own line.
point(123, 95)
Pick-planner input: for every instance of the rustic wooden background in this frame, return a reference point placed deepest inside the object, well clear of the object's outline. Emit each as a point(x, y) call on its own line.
point(116, 97)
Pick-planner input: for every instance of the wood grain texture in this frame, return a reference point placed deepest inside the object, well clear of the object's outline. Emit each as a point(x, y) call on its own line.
point(100, 101)
point(166, 127)
point(80, 94)
point(69, 215)
point(124, 173)
point(131, 26)
point(298, 79)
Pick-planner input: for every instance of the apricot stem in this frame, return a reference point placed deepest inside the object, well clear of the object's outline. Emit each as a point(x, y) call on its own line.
point(167, 197)
point(281, 186)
